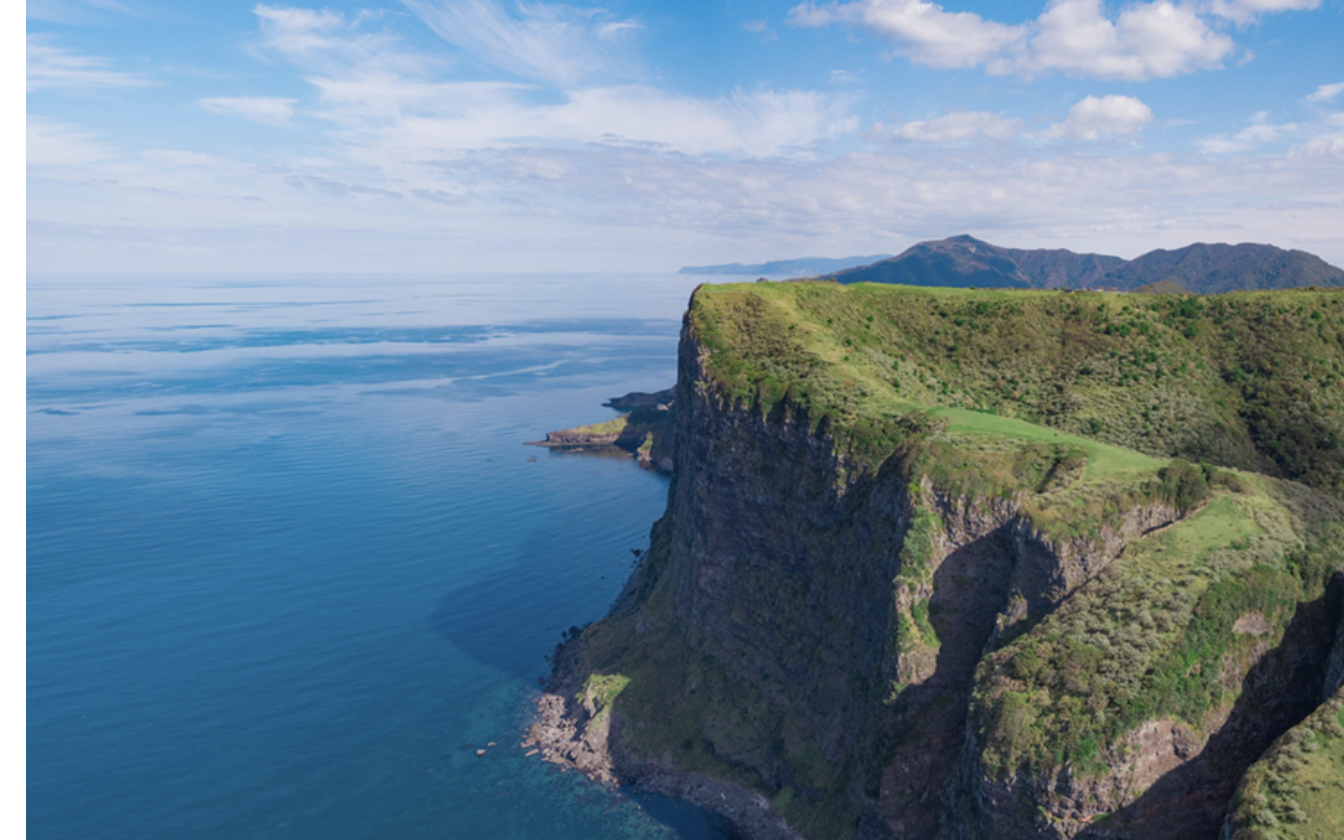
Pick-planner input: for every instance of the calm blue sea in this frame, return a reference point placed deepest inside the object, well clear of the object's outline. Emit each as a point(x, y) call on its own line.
point(289, 564)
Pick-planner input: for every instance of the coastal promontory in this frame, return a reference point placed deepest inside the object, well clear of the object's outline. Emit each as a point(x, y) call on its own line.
point(956, 563)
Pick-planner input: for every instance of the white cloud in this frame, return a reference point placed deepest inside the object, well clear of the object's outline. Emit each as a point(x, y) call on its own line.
point(56, 67)
point(551, 43)
point(754, 26)
point(1147, 41)
point(1326, 93)
point(960, 126)
point(1144, 40)
point(1246, 11)
point(1099, 118)
point(921, 31)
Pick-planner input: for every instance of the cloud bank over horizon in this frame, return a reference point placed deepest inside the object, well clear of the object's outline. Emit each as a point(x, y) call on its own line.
point(487, 136)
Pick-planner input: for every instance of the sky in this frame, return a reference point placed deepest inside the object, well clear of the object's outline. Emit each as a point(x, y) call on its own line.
point(450, 136)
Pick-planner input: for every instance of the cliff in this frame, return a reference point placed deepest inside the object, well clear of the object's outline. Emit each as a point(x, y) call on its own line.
point(875, 608)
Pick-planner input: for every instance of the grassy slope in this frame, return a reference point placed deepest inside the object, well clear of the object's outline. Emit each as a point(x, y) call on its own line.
point(1252, 380)
point(1153, 636)
point(1295, 791)
point(994, 391)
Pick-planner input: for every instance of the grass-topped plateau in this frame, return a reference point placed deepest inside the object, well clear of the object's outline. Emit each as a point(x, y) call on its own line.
point(945, 558)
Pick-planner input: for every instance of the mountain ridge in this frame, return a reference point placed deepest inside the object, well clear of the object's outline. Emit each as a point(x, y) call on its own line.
point(1200, 268)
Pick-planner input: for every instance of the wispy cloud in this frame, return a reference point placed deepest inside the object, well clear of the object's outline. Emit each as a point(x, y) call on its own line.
point(329, 42)
point(756, 123)
point(55, 144)
point(1261, 132)
point(956, 127)
point(389, 104)
point(550, 43)
point(1325, 93)
point(1144, 40)
point(269, 110)
point(50, 66)
point(1247, 11)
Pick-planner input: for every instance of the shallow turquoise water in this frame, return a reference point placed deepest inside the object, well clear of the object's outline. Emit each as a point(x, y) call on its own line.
point(289, 565)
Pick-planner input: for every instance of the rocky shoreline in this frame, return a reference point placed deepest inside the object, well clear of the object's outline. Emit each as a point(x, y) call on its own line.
point(571, 731)
point(643, 431)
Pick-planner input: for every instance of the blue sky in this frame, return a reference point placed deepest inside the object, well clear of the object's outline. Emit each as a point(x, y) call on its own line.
point(482, 135)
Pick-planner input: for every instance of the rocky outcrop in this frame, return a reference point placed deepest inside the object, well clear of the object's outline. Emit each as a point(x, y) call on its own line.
point(644, 430)
point(578, 437)
point(639, 399)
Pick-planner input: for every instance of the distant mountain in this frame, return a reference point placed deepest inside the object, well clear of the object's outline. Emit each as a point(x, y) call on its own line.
point(967, 261)
point(1210, 269)
point(1205, 269)
point(799, 267)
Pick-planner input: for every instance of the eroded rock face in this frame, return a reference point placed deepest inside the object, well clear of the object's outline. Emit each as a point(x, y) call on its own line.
point(1046, 570)
point(779, 572)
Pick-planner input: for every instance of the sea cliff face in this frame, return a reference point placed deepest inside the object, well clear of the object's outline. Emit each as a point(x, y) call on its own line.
point(884, 623)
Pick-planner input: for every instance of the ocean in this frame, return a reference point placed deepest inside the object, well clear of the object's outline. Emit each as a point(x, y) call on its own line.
point(290, 565)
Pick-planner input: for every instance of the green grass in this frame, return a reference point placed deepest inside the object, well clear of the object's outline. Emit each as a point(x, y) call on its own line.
point(1103, 460)
point(601, 690)
point(1249, 380)
point(1296, 791)
point(1150, 638)
point(614, 426)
